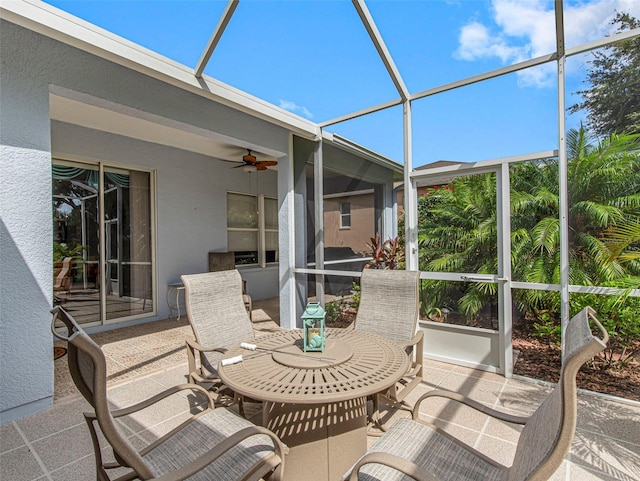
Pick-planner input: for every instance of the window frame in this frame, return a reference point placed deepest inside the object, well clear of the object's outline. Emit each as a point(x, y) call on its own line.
point(102, 168)
point(261, 230)
point(344, 216)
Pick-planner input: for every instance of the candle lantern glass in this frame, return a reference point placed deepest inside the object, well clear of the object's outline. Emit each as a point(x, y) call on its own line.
point(313, 327)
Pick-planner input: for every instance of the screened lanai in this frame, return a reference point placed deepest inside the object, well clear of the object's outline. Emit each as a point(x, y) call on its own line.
point(479, 337)
point(390, 112)
point(423, 116)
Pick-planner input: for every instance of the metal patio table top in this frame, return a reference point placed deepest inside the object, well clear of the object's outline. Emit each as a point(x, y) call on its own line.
point(354, 364)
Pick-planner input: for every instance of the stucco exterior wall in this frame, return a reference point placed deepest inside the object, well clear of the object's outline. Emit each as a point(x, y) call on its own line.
point(26, 369)
point(190, 189)
point(190, 200)
point(362, 228)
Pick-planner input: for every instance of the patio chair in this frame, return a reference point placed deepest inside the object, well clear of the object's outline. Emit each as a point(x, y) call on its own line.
point(226, 261)
point(389, 307)
point(215, 443)
point(62, 281)
point(425, 453)
point(217, 314)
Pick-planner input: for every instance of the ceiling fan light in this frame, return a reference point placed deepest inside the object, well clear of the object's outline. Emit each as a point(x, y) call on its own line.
point(249, 168)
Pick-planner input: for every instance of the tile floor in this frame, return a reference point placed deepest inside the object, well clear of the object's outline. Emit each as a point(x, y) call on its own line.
point(54, 445)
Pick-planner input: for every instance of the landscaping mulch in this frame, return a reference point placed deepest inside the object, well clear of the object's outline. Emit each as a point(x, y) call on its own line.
point(540, 360)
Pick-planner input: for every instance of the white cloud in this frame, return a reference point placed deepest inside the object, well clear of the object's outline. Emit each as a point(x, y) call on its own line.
point(295, 108)
point(523, 29)
point(477, 42)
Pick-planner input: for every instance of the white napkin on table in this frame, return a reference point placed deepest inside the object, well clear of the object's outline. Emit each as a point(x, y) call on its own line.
point(232, 360)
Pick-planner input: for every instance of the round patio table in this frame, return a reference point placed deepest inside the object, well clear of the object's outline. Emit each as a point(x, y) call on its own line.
point(316, 401)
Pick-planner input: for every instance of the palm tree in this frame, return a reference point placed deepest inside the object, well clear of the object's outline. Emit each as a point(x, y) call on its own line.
point(604, 188)
point(457, 232)
point(457, 224)
point(623, 241)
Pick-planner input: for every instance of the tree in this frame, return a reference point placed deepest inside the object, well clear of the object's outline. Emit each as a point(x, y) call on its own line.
point(457, 233)
point(604, 191)
point(456, 225)
point(612, 102)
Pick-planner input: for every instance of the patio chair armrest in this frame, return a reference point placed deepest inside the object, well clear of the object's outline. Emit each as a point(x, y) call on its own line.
point(510, 418)
point(195, 346)
point(203, 461)
point(417, 354)
point(417, 338)
point(396, 462)
point(160, 396)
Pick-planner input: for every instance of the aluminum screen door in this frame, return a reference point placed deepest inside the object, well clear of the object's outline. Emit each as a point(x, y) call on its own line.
point(462, 218)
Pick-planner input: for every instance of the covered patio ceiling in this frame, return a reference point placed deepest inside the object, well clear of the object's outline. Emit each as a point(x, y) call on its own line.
point(128, 122)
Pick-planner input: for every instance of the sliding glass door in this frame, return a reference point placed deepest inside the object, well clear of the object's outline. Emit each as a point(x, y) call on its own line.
point(103, 242)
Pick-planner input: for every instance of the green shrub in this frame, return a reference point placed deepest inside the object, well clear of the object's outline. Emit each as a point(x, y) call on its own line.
point(333, 311)
point(620, 316)
point(547, 327)
point(355, 296)
point(62, 250)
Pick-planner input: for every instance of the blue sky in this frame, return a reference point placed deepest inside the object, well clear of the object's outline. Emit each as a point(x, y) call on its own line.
point(314, 58)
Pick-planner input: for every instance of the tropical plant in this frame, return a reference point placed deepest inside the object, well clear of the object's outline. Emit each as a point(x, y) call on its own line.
point(604, 189)
point(457, 225)
point(623, 241)
point(386, 255)
point(457, 232)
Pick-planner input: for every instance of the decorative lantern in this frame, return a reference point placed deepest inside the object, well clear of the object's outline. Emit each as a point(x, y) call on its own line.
point(313, 327)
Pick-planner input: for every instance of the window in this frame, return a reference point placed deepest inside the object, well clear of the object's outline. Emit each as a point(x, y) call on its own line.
point(252, 228)
point(345, 215)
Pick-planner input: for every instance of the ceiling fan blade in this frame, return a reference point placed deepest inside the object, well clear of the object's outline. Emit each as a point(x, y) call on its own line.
point(267, 163)
point(260, 166)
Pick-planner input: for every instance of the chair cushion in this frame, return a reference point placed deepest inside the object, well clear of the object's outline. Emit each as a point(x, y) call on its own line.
point(200, 436)
point(431, 450)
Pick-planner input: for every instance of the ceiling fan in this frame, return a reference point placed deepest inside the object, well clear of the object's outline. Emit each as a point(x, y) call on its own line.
point(250, 163)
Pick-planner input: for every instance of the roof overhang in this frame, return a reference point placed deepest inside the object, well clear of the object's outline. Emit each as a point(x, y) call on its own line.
point(63, 27)
point(363, 152)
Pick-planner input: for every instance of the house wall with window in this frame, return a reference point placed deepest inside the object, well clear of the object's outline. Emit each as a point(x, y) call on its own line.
point(346, 176)
point(77, 94)
point(191, 195)
point(361, 226)
point(36, 72)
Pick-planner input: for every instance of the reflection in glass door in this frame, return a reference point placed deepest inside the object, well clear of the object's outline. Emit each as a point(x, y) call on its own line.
point(123, 287)
point(76, 236)
point(127, 218)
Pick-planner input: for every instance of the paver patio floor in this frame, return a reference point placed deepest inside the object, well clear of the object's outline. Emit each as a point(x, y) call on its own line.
point(55, 444)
